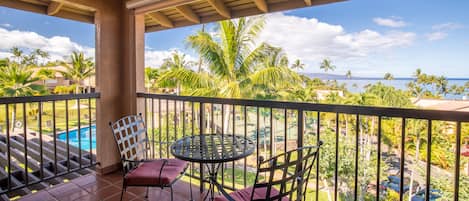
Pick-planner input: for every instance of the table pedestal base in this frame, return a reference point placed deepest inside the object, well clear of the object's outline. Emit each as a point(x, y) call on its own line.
point(212, 180)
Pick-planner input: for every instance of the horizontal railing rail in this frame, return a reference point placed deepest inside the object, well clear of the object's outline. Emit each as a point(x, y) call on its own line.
point(45, 140)
point(33, 99)
point(345, 109)
point(367, 151)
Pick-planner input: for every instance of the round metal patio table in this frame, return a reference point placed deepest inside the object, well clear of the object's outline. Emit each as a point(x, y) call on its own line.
point(212, 151)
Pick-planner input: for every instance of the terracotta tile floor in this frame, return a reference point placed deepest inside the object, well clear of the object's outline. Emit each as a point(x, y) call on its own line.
point(108, 187)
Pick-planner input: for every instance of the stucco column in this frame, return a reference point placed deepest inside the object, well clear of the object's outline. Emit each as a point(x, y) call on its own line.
point(135, 59)
point(119, 73)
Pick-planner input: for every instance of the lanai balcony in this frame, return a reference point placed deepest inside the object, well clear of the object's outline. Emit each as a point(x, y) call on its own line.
point(52, 153)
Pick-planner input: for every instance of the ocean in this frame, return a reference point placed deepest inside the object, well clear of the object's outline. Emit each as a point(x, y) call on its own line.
point(399, 83)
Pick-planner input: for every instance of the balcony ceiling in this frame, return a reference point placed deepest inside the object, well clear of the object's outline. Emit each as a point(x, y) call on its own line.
point(60, 8)
point(166, 14)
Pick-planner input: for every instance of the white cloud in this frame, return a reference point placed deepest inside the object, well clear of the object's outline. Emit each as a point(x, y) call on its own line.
point(154, 58)
point(311, 40)
point(57, 46)
point(60, 47)
point(389, 22)
point(441, 30)
point(6, 25)
point(447, 26)
point(438, 35)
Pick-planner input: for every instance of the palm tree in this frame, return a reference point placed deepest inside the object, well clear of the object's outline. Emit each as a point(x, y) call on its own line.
point(388, 76)
point(348, 74)
point(177, 74)
point(232, 61)
point(45, 74)
point(80, 69)
point(418, 72)
point(24, 59)
point(441, 85)
point(42, 54)
point(298, 65)
point(176, 63)
point(17, 54)
point(326, 65)
point(17, 80)
point(199, 69)
point(151, 75)
point(276, 62)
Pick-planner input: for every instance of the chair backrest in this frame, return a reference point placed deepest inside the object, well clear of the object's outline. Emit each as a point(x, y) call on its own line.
point(288, 173)
point(131, 138)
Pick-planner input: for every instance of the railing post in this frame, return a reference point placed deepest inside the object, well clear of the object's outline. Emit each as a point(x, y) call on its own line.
point(429, 160)
point(318, 128)
point(336, 164)
point(378, 169)
point(201, 131)
point(300, 143)
point(300, 128)
point(402, 160)
point(357, 144)
point(457, 161)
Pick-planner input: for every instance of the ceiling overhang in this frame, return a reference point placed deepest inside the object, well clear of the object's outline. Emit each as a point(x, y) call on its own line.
point(60, 8)
point(168, 14)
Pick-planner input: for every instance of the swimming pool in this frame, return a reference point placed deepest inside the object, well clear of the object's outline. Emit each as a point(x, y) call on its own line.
point(84, 137)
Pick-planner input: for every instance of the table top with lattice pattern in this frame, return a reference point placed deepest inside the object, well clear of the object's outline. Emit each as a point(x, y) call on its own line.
point(213, 148)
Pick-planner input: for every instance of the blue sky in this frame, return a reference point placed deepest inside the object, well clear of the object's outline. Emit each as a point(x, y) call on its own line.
point(368, 37)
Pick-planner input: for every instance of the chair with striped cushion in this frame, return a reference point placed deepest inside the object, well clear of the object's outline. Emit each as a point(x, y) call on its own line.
point(285, 178)
point(131, 137)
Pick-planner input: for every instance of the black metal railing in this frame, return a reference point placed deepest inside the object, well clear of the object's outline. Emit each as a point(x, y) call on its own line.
point(369, 153)
point(45, 140)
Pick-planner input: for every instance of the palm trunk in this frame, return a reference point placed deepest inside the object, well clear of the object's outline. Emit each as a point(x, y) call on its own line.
point(265, 136)
point(178, 88)
point(226, 119)
point(346, 125)
point(329, 196)
point(200, 57)
point(89, 86)
point(13, 118)
point(77, 87)
point(416, 160)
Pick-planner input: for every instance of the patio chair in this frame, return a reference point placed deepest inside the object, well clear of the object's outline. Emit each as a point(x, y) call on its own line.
point(131, 137)
point(285, 178)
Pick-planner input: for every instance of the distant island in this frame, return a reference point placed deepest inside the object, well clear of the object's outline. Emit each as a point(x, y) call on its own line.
point(328, 76)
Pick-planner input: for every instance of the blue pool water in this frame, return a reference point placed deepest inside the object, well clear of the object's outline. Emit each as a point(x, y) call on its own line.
point(84, 137)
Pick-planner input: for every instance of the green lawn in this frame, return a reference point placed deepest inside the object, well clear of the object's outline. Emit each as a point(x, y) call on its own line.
point(32, 120)
point(250, 176)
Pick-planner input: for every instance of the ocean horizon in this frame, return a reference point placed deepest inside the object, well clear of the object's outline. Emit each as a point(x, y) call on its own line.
point(397, 78)
point(357, 85)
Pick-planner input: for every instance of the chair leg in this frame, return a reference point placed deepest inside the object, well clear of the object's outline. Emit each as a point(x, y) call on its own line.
point(190, 189)
point(124, 188)
point(146, 194)
point(171, 187)
point(190, 184)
